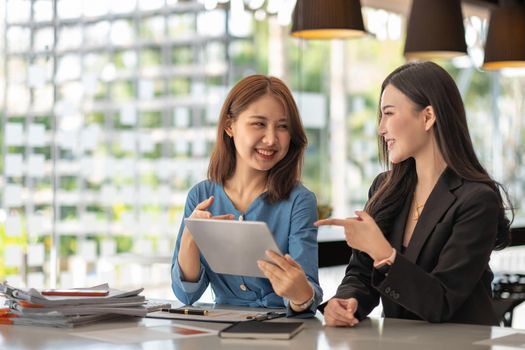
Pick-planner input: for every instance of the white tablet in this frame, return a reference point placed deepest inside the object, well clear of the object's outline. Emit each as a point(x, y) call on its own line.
point(233, 247)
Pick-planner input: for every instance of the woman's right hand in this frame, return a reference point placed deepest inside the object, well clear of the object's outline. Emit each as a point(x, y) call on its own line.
point(201, 211)
point(341, 312)
point(189, 254)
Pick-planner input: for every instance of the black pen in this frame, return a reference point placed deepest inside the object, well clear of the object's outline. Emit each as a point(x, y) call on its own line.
point(267, 316)
point(187, 311)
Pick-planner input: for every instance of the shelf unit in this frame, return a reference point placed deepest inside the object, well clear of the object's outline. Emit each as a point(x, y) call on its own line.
point(111, 119)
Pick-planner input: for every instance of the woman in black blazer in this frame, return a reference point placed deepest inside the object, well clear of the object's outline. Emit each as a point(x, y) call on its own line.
point(424, 240)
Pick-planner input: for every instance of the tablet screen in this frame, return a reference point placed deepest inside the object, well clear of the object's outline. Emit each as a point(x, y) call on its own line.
point(233, 247)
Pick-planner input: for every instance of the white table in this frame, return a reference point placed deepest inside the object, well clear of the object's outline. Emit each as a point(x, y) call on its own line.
point(374, 334)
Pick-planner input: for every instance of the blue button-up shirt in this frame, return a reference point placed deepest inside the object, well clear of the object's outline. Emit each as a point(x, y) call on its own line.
point(291, 222)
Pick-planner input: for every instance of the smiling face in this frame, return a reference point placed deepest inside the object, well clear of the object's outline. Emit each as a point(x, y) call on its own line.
point(403, 128)
point(261, 134)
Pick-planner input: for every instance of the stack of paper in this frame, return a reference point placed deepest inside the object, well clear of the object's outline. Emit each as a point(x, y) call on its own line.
point(31, 307)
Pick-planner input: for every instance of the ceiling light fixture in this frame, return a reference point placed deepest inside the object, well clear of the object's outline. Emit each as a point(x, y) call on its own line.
point(505, 44)
point(435, 30)
point(327, 19)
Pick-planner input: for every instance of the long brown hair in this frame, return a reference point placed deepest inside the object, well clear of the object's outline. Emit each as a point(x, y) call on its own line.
point(427, 84)
point(287, 172)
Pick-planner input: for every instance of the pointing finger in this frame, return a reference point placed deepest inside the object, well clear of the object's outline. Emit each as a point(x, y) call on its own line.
point(362, 215)
point(205, 204)
point(336, 222)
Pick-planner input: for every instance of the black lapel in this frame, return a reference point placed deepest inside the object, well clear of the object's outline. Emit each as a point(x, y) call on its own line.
point(437, 204)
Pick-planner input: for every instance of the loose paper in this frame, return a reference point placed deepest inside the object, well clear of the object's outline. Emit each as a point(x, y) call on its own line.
point(513, 340)
point(213, 315)
point(144, 334)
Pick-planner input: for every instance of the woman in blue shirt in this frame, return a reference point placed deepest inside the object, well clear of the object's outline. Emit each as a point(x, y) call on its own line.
point(254, 174)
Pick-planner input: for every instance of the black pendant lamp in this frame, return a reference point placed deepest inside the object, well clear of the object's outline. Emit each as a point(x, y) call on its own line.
point(505, 44)
point(435, 30)
point(327, 19)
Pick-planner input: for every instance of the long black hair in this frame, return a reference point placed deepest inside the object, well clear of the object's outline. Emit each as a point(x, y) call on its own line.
point(427, 84)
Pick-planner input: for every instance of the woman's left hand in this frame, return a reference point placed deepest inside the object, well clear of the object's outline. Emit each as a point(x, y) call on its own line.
point(362, 233)
point(287, 277)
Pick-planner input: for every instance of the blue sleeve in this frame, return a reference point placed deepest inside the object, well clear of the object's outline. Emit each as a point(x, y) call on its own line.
point(187, 292)
point(303, 246)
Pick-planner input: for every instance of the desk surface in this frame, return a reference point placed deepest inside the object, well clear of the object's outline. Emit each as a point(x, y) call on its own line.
point(379, 333)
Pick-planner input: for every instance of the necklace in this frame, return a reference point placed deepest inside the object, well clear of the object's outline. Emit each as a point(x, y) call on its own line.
point(417, 214)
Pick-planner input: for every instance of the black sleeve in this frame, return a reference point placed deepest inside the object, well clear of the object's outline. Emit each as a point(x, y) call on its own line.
point(357, 284)
point(357, 280)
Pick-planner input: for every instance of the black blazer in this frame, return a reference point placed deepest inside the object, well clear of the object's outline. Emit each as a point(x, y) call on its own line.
point(443, 276)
